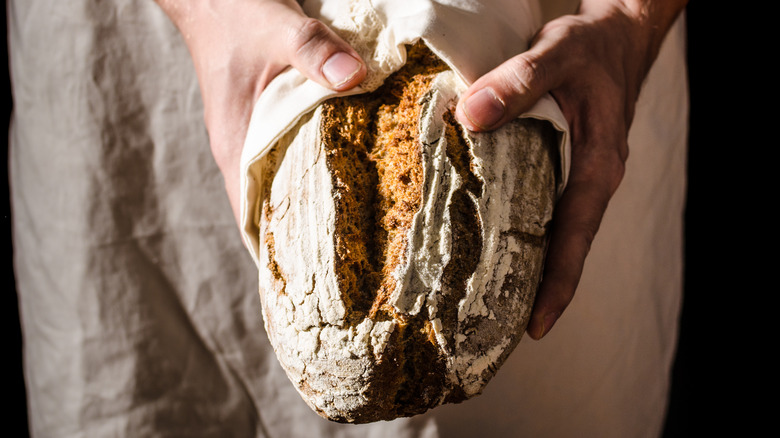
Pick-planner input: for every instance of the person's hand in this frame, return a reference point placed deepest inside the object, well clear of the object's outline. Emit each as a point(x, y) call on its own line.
point(238, 47)
point(593, 64)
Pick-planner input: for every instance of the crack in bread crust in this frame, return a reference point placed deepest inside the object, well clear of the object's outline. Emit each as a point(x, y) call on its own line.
point(466, 244)
point(373, 150)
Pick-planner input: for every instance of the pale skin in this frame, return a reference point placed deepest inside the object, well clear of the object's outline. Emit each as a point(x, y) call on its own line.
point(593, 64)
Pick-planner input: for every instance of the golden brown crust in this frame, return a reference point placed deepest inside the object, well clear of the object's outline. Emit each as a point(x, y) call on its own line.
point(373, 150)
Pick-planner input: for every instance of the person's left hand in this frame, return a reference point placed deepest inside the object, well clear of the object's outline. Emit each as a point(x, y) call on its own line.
point(593, 64)
point(238, 47)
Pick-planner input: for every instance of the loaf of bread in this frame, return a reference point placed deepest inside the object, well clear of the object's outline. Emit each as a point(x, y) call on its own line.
point(399, 253)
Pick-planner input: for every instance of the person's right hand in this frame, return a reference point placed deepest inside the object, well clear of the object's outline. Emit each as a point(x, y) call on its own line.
point(238, 47)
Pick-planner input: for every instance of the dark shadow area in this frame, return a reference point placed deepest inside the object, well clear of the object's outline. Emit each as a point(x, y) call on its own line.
point(15, 407)
point(677, 421)
point(723, 218)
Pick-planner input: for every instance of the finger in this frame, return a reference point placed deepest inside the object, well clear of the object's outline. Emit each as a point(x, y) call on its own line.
point(315, 50)
point(576, 222)
point(578, 216)
point(503, 93)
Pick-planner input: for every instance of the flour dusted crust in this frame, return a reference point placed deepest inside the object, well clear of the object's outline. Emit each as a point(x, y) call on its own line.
point(400, 254)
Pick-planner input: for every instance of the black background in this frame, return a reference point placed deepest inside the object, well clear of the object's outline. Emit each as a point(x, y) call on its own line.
point(711, 267)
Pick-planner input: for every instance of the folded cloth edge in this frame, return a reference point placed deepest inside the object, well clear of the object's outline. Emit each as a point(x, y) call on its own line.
point(291, 95)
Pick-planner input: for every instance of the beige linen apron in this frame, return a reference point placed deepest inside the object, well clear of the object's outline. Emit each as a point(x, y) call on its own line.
point(138, 298)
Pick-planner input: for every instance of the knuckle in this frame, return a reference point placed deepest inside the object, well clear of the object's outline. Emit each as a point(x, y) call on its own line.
point(531, 67)
point(526, 72)
point(622, 155)
point(617, 176)
point(309, 33)
point(588, 231)
point(614, 167)
point(610, 173)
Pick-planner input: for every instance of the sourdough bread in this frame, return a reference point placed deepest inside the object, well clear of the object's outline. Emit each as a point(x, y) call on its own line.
point(399, 253)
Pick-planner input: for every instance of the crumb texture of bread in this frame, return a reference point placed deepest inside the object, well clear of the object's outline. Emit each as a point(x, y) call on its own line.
point(400, 254)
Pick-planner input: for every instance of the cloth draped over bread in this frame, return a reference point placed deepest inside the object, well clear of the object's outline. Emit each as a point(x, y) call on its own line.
point(471, 36)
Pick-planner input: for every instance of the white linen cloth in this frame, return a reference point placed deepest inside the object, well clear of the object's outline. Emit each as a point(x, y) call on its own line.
point(139, 302)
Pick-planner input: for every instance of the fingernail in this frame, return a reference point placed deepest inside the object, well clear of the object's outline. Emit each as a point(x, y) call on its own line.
point(483, 108)
point(549, 321)
point(340, 68)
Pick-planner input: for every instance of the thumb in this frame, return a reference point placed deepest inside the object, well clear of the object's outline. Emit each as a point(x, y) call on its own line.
point(321, 55)
point(503, 93)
